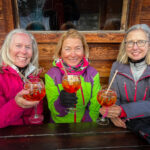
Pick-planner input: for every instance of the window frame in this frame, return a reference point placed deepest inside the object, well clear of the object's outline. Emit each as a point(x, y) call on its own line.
point(123, 23)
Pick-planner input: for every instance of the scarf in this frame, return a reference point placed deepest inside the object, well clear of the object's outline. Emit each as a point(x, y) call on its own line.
point(138, 69)
point(72, 70)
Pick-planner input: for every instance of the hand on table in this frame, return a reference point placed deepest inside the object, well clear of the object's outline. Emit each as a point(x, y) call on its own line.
point(118, 122)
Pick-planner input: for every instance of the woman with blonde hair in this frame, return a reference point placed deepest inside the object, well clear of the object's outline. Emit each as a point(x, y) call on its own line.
point(72, 50)
point(18, 55)
point(132, 82)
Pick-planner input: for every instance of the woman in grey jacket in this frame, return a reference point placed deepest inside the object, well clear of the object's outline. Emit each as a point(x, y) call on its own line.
point(132, 83)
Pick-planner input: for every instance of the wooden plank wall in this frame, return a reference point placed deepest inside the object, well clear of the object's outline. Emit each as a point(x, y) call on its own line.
point(102, 52)
point(6, 19)
point(139, 12)
point(145, 12)
point(103, 46)
point(101, 57)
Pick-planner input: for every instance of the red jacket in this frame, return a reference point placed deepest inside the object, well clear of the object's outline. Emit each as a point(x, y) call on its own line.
point(10, 112)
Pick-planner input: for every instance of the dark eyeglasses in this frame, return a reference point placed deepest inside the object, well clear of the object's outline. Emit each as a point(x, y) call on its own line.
point(139, 43)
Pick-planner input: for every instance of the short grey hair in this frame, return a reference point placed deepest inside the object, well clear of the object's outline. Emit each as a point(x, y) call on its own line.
point(4, 52)
point(143, 27)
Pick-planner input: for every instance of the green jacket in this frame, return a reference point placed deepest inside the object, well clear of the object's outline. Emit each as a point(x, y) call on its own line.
point(90, 84)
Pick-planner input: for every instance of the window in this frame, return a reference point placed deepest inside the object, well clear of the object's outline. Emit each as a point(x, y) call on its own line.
point(83, 15)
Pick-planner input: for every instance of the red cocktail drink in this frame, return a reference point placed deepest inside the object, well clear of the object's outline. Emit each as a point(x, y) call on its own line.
point(71, 83)
point(36, 90)
point(106, 99)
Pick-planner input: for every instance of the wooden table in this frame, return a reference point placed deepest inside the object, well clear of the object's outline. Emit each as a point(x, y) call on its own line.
point(69, 136)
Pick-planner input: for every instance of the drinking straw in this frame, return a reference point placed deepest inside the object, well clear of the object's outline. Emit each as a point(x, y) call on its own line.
point(63, 67)
point(112, 81)
point(40, 70)
point(22, 76)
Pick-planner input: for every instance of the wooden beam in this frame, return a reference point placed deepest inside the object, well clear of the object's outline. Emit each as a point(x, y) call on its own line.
point(124, 14)
point(7, 22)
point(91, 37)
point(135, 12)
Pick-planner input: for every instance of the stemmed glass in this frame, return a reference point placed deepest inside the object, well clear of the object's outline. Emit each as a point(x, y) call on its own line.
point(106, 98)
point(36, 89)
point(71, 84)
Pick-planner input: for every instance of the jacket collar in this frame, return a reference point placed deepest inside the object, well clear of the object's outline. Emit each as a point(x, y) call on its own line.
point(126, 70)
point(146, 72)
point(28, 71)
point(14, 69)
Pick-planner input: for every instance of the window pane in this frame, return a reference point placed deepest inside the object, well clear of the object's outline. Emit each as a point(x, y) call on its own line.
point(64, 14)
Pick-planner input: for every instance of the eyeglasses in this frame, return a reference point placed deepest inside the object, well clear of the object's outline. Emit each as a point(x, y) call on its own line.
point(139, 43)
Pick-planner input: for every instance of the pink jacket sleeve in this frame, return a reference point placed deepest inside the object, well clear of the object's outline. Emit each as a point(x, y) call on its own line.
point(12, 114)
point(9, 112)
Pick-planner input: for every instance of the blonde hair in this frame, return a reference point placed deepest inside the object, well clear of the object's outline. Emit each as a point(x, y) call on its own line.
point(4, 52)
point(122, 55)
point(71, 33)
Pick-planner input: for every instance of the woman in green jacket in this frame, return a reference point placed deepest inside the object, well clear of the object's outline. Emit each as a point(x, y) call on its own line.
point(72, 50)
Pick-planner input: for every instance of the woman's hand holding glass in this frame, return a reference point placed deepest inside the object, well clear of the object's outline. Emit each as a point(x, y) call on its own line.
point(112, 112)
point(68, 100)
point(36, 92)
point(70, 83)
point(22, 102)
point(106, 99)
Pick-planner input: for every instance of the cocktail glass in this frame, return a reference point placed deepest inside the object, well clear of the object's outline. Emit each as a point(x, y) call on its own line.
point(106, 99)
point(36, 89)
point(71, 84)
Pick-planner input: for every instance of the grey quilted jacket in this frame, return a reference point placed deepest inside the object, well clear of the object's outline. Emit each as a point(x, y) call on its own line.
point(133, 96)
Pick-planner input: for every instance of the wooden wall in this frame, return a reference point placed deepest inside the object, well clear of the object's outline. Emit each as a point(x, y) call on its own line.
point(145, 12)
point(103, 45)
point(102, 52)
point(6, 18)
point(139, 12)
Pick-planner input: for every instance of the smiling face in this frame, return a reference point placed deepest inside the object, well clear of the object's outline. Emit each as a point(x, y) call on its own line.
point(136, 52)
point(21, 49)
point(72, 51)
